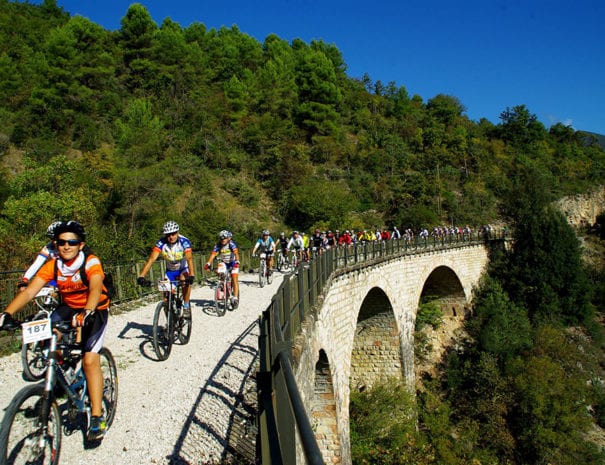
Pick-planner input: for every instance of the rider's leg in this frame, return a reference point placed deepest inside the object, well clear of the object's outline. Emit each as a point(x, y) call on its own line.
point(91, 363)
point(235, 282)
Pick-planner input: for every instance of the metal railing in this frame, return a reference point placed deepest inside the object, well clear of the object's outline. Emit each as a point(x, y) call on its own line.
point(281, 412)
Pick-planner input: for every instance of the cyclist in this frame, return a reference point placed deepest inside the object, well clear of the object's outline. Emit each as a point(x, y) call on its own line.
point(297, 244)
point(227, 251)
point(282, 245)
point(305, 239)
point(316, 242)
point(47, 252)
point(84, 302)
point(176, 250)
point(266, 244)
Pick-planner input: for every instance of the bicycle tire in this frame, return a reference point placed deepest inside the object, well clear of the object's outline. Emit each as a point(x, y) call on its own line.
point(109, 370)
point(269, 277)
point(219, 295)
point(162, 331)
point(184, 328)
point(33, 361)
point(227, 296)
point(262, 273)
point(21, 429)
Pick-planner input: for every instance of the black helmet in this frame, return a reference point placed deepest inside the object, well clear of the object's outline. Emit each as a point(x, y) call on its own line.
point(72, 227)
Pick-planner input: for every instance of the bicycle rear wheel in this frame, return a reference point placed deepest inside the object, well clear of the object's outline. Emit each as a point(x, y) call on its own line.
point(23, 439)
point(269, 276)
point(162, 331)
point(183, 324)
point(33, 360)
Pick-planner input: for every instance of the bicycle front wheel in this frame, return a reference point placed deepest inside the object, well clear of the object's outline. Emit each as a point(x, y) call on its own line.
point(110, 385)
point(23, 436)
point(162, 331)
point(219, 298)
point(262, 273)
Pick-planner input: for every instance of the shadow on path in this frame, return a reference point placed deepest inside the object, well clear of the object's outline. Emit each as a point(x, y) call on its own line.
point(220, 427)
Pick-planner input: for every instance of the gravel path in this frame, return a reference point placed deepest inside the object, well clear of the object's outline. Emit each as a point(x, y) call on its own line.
point(197, 407)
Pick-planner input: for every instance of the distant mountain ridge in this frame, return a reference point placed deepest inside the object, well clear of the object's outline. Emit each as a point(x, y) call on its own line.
point(600, 138)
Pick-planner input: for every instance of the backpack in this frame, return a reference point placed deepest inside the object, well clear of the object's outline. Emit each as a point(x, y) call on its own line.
point(107, 281)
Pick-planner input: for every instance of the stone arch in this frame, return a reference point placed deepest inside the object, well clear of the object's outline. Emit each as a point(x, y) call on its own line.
point(323, 411)
point(376, 353)
point(444, 286)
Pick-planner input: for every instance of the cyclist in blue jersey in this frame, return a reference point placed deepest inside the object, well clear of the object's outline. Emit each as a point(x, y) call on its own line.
point(176, 250)
point(227, 251)
point(266, 244)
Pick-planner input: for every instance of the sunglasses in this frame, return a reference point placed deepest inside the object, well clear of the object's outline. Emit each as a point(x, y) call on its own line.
point(72, 242)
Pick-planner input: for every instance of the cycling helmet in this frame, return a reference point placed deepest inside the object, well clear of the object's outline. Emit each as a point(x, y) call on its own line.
point(50, 232)
point(72, 227)
point(170, 227)
point(225, 234)
point(282, 234)
point(266, 232)
point(295, 232)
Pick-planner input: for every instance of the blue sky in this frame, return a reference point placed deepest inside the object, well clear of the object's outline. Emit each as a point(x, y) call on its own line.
point(546, 54)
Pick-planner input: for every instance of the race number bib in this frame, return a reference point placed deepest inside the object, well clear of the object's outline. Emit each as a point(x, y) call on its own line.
point(37, 330)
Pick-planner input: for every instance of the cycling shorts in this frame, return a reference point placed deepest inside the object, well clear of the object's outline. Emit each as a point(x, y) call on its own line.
point(93, 334)
point(175, 275)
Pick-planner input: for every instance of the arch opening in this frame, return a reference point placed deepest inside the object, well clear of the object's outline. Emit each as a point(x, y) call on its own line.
point(376, 354)
point(444, 287)
point(323, 412)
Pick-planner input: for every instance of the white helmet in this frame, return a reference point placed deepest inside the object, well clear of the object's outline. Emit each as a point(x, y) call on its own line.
point(50, 232)
point(225, 234)
point(170, 227)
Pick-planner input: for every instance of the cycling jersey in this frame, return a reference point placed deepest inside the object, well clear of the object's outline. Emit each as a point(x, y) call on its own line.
point(174, 254)
point(265, 246)
point(74, 292)
point(226, 252)
point(296, 242)
point(283, 243)
point(48, 251)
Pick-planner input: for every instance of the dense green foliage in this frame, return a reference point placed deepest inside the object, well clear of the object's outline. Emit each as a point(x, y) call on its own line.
point(527, 388)
point(125, 129)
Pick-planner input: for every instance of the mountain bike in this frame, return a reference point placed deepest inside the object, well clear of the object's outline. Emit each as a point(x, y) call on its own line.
point(171, 323)
point(32, 426)
point(223, 293)
point(34, 354)
point(265, 275)
point(282, 260)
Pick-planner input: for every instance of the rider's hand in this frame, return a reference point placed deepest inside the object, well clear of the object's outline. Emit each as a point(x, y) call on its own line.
point(82, 318)
point(189, 279)
point(207, 266)
point(21, 284)
point(7, 322)
point(141, 281)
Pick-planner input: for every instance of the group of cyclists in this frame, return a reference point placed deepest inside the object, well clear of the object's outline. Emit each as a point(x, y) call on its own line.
point(67, 263)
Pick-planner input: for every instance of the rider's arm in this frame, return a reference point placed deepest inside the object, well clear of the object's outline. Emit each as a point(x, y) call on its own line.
point(95, 288)
point(155, 253)
point(210, 258)
point(26, 296)
point(189, 258)
point(37, 264)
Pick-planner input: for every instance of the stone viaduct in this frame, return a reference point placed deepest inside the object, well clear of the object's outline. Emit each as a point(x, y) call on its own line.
point(364, 331)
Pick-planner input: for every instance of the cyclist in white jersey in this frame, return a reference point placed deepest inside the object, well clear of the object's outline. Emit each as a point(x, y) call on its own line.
point(47, 252)
point(266, 244)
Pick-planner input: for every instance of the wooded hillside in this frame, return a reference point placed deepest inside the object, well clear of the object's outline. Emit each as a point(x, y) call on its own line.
point(126, 129)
